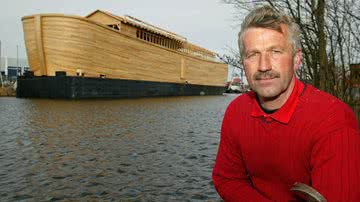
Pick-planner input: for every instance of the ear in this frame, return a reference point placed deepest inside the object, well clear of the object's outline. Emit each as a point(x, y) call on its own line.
point(297, 59)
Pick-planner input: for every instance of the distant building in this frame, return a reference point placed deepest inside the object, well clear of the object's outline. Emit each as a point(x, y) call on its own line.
point(13, 67)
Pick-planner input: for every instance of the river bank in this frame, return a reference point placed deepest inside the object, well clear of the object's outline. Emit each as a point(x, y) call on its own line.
point(7, 91)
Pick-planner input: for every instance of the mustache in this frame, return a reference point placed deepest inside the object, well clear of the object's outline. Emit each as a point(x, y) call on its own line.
point(266, 75)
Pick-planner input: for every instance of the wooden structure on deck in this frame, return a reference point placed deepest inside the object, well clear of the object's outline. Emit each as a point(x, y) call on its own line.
point(116, 47)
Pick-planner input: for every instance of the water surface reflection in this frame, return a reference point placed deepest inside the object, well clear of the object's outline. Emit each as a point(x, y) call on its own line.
point(152, 149)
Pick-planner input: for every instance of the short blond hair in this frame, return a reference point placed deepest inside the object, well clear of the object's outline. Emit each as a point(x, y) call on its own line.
point(268, 17)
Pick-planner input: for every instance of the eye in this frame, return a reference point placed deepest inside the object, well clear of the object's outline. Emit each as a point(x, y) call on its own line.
point(275, 51)
point(251, 55)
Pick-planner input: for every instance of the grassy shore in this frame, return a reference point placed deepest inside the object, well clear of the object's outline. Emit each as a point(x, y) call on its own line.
point(7, 91)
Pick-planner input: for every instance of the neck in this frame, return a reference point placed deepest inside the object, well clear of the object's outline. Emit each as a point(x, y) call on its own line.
point(278, 101)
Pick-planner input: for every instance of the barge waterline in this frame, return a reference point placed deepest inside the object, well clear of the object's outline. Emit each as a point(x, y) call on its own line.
point(72, 87)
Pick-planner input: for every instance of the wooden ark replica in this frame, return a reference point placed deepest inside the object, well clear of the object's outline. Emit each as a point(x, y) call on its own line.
point(104, 55)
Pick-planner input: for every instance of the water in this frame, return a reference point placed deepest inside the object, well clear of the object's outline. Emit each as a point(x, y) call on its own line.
point(151, 149)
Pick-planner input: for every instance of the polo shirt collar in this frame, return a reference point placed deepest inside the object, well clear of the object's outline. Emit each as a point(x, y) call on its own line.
point(283, 114)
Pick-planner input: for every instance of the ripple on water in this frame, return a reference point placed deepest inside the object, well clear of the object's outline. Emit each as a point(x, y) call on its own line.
point(154, 149)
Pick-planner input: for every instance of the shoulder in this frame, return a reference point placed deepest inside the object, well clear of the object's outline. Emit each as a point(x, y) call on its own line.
point(240, 107)
point(326, 109)
point(242, 102)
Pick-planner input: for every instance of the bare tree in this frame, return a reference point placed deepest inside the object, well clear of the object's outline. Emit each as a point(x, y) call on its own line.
point(233, 58)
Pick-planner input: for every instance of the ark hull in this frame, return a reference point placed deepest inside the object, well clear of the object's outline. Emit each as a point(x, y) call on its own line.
point(137, 59)
point(73, 87)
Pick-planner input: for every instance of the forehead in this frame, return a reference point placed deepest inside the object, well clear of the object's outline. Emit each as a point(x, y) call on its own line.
point(264, 37)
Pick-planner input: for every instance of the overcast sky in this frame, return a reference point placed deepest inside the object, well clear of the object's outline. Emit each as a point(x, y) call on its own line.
point(207, 23)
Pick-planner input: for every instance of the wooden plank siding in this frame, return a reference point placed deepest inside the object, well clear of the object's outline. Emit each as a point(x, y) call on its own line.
point(103, 18)
point(74, 44)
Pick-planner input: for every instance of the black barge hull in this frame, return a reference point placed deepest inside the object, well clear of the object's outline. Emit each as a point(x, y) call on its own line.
point(74, 87)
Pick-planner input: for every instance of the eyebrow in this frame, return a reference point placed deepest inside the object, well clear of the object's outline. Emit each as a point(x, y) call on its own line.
point(267, 49)
point(251, 52)
point(276, 47)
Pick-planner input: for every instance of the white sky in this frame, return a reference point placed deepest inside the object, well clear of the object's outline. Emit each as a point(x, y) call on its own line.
point(207, 23)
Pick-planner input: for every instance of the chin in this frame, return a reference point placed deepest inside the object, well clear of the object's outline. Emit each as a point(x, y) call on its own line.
point(268, 94)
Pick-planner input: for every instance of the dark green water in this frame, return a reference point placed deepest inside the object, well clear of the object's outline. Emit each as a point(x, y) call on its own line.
point(152, 149)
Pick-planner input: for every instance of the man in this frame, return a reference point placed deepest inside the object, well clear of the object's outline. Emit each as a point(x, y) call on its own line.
point(284, 131)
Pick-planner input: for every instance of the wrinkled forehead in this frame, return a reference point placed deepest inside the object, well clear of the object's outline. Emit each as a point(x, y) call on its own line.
point(281, 28)
point(256, 33)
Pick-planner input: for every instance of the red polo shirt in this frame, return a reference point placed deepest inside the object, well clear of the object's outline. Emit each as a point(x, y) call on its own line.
point(284, 114)
point(313, 138)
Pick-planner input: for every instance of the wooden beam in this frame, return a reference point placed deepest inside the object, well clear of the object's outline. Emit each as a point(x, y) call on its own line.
point(40, 45)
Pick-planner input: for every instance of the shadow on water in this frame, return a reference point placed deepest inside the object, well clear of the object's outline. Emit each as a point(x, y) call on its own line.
point(153, 149)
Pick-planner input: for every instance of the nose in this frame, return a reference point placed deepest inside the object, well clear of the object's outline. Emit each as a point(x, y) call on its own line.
point(265, 64)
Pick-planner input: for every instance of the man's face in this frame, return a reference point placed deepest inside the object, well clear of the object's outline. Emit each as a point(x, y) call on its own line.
point(269, 62)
